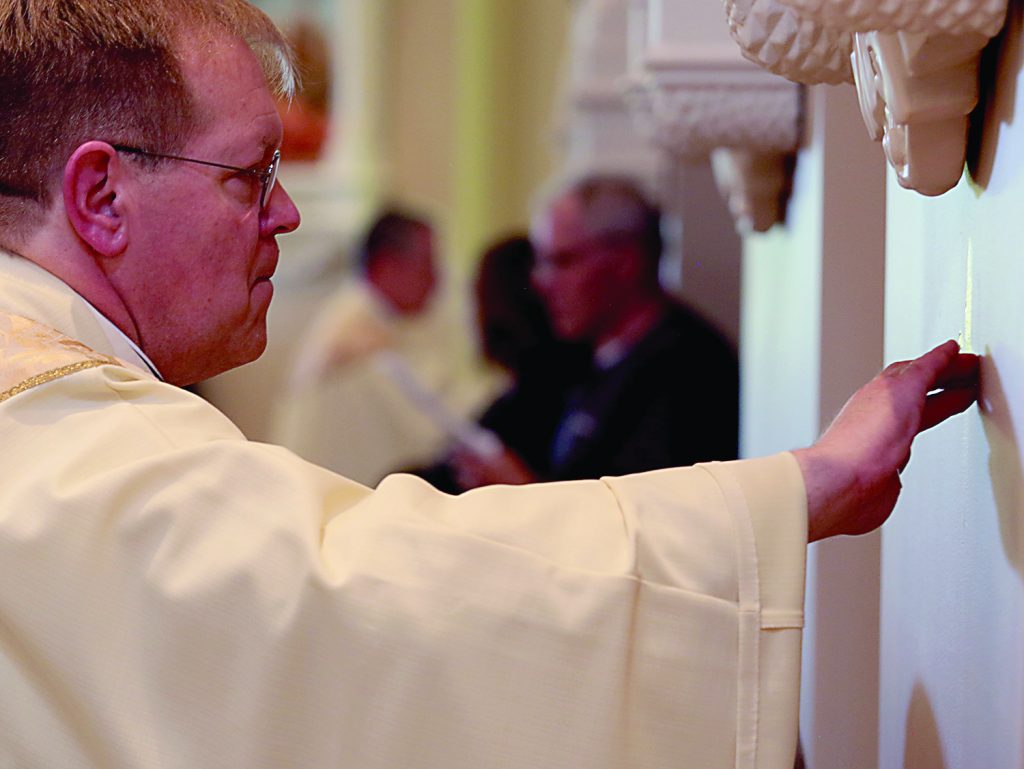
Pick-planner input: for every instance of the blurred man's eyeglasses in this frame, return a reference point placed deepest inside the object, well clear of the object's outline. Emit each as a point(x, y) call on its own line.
point(267, 176)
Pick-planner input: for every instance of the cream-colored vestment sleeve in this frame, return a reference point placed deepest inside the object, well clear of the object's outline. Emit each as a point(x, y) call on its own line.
point(177, 597)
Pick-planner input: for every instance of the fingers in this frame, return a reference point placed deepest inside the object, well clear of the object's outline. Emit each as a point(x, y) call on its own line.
point(962, 371)
point(941, 405)
point(953, 373)
point(871, 438)
point(941, 353)
point(942, 367)
point(931, 364)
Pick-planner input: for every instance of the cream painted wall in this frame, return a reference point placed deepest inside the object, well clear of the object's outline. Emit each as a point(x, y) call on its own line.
point(780, 330)
point(510, 57)
point(468, 96)
point(953, 555)
point(421, 102)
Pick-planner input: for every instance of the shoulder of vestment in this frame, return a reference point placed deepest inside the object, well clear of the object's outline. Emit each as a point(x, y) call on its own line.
point(32, 354)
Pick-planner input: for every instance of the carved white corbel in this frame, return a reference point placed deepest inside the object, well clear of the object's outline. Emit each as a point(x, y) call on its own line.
point(914, 62)
point(695, 96)
point(692, 116)
point(916, 92)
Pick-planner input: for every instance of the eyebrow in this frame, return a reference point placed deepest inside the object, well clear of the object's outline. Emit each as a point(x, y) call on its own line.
point(266, 146)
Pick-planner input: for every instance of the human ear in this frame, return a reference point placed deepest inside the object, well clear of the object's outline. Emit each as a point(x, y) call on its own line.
point(92, 189)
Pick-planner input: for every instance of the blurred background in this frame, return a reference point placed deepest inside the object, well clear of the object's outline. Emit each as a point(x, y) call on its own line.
point(462, 110)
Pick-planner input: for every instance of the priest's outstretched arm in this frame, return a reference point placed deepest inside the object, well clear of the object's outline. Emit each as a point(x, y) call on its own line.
point(178, 596)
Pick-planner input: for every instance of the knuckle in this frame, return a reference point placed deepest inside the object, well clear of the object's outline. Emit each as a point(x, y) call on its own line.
point(897, 368)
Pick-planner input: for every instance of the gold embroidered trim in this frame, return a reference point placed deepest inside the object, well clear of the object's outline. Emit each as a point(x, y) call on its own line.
point(49, 376)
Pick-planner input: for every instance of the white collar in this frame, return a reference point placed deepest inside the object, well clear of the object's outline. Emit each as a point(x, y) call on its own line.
point(610, 353)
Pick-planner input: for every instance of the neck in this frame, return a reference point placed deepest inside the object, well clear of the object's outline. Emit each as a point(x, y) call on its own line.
point(80, 270)
point(633, 325)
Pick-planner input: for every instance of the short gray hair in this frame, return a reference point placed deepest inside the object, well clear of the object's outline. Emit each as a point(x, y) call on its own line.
point(614, 206)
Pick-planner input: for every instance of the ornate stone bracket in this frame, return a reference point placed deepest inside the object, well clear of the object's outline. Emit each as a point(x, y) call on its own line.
point(914, 62)
point(692, 94)
point(691, 116)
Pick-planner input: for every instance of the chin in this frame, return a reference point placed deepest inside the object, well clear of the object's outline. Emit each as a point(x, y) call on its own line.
point(258, 352)
point(235, 356)
point(253, 350)
point(251, 341)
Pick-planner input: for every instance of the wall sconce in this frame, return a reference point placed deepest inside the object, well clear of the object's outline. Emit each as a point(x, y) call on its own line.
point(914, 62)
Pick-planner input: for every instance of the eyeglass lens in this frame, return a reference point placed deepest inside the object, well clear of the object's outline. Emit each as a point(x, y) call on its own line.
point(269, 180)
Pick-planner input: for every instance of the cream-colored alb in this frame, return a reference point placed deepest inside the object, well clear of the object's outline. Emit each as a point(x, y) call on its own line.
point(175, 596)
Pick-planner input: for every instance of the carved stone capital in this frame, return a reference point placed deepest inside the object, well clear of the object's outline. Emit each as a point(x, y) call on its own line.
point(692, 93)
point(691, 116)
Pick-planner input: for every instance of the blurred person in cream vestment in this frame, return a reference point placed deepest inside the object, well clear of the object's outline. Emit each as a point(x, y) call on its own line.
point(341, 410)
point(176, 596)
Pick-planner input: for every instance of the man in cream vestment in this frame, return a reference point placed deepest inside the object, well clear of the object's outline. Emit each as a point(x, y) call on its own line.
point(176, 596)
point(340, 408)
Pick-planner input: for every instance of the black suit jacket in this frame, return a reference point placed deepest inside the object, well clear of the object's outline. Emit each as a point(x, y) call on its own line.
point(672, 400)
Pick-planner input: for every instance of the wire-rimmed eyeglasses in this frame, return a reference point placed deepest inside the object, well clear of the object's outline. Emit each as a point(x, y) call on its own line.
point(266, 176)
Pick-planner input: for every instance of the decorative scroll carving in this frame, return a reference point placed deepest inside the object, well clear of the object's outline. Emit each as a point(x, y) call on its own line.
point(915, 64)
point(917, 91)
point(749, 126)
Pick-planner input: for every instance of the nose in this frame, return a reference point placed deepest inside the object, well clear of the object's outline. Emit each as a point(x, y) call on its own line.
point(281, 215)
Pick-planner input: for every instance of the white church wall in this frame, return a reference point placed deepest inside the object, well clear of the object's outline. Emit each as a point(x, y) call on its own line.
point(953, 556)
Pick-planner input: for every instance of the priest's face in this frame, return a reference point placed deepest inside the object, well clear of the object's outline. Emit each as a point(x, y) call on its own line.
point(200, 285)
